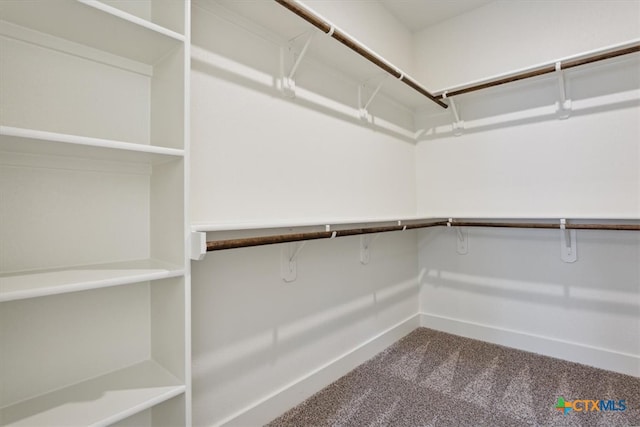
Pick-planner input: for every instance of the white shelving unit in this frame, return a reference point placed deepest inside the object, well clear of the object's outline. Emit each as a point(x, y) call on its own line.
point(94, 278)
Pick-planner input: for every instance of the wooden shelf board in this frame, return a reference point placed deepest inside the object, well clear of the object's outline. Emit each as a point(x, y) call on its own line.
point(99, 401)
point(32, 284)
point(30, 141)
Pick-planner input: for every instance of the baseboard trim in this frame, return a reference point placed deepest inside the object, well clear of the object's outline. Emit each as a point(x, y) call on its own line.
point(624, 363)
point(269, 407)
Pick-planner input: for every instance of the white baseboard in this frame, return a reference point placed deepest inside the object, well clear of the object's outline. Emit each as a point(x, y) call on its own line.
point(593, 356)
point(273, 405)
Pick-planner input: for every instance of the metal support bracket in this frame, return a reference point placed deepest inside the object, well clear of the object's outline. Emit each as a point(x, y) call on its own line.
point(458, 125)
point(462, 245)
point(289, 260)
point(462, 238)
point(287, 79)
point(568, 243)
point(363, 107)
point(365, 248)
point(563, 106)
point(198, 244)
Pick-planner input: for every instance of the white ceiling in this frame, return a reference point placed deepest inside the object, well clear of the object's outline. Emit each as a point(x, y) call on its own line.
point(419, 14)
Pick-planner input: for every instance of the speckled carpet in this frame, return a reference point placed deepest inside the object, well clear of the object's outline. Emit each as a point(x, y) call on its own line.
point(431, 378)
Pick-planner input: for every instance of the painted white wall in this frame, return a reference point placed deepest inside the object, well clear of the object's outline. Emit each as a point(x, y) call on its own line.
point(254, 334)
point(505, 35)
point(374, 26)
point(257, 156)
point(516, 159)
point(514, 280)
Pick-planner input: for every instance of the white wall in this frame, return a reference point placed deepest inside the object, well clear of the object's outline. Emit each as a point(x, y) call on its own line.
point(512, 288)
point(254, 334)
point(257, 156)
point(516, 159)
point(371, 24)
point(508, 35)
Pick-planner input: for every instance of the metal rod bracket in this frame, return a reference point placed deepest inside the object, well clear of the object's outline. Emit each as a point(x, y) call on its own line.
point(198, 244)
point(462, 237)
point(458, 125)
point(287, 78)
point(289, 261)
point(363, 107)
point(365, 248)
point(563, 106)
point(568, 243)
point(462, 241)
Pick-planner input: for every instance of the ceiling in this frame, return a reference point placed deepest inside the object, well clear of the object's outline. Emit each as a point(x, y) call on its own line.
point(419, 14)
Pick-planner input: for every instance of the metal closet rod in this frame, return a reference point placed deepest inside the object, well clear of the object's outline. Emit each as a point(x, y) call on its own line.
point(218, 245)
point(548, 69)
point(352, 44)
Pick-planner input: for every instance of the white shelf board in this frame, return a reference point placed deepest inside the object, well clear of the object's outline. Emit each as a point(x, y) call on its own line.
point(279, 25)
point(99, 401)
point(96, 25)
point(32, 284)
point(292, 223)
point(321, 222)
point(30, 141)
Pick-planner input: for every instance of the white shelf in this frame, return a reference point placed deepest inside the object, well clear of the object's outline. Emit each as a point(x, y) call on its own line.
point(97, 402)
point(51, 282)
point(255, 225)
point(277, 24)
point(96, 25)
point(30, 141)
point(321, 222)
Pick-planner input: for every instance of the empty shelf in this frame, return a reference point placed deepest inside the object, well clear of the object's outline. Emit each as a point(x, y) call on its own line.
point(99, 401)
point(96, 25)
point(51, 282)
point(31, 141)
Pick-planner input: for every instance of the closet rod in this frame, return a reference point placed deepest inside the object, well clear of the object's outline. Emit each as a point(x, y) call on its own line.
point(352, 44)
point(544, 70)
point(218, 245)
point(568, 226)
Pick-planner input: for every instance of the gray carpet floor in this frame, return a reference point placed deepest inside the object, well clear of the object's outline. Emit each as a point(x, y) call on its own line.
point(431, 378)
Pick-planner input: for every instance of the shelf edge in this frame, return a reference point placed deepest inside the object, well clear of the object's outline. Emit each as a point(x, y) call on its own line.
point(88, 285)
point(136, 20)
point(87, 141)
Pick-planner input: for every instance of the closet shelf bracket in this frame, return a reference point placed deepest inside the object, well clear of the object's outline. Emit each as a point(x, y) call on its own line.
point(287, 79)
point(289, 260)
point(198, 244)
point(365, 248)
point(462, 237)
point(363, 107)
point(458, 125)
point(568, 243)
point(563, 106)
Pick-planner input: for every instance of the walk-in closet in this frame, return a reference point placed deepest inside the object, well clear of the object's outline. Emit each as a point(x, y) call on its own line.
point(319, 213)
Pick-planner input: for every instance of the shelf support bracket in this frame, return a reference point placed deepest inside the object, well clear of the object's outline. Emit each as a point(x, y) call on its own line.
point(462, 237)
point(288, 83)
point(458, 125)
point(363, 108)
point(198, 243)
point(365, 246)
point(289, 260)
point(568, 243)
point(563, 106)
